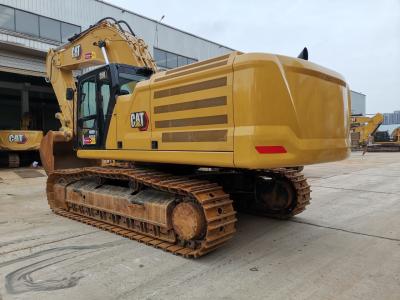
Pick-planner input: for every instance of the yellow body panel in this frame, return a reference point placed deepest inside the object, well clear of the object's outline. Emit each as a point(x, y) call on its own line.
point(291, 103)
point(198, 158)
point(132, 138)
point(215, 113)
point(202, 98)
point(20, 140)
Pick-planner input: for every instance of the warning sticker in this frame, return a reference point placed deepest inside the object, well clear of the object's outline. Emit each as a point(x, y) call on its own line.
point(89, 137)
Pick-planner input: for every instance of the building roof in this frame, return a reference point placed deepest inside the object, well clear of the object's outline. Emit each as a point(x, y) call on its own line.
point(358, 93)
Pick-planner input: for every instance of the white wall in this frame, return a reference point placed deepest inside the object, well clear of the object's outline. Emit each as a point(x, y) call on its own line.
point(358, 103)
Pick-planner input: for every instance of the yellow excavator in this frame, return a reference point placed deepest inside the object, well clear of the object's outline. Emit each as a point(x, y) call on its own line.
point(18, 146)
point(192, 145)
point(385, 141)
point(363, 128)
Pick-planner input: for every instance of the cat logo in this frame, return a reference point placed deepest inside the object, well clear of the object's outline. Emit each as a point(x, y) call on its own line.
point(17, 138)
point(139, 120)
point(76, 51)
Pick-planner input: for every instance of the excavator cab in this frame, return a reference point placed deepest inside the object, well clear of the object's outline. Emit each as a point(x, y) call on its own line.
point(98, 91)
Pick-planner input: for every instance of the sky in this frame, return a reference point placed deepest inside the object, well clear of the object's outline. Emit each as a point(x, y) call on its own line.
point(358, 38)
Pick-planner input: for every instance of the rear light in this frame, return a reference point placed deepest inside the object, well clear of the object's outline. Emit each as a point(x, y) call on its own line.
point(270, 149)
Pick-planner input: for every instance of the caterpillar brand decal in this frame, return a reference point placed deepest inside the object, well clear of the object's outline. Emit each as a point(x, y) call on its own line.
point(17, 138)
point(76, 51)
point(139, 120)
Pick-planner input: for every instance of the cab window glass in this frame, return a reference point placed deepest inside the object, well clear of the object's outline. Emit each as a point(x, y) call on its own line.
point(128, 80)
point(88, 98)
point(105, 97)
point(89, 124)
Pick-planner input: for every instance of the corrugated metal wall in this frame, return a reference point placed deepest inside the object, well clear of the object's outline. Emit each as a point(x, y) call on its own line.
point(21, 39)
point(21, 64)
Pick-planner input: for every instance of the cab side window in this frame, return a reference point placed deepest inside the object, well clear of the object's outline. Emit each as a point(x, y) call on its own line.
point(88, 105)
point(105, 97)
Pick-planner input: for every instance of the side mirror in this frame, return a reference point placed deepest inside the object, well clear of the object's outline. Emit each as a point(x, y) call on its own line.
point(69, 95)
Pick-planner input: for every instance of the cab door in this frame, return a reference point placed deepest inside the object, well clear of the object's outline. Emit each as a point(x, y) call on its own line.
point(93, 100)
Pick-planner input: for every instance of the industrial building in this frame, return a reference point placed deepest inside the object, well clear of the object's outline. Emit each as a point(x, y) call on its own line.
point(358, 103)
point(29, 28)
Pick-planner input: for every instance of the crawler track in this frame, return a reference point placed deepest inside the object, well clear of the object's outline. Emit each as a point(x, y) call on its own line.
point(301, 188)
point(390, 147)
point(216, 205)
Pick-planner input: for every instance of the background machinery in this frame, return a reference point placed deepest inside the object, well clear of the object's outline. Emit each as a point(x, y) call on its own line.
point(20, 146)
point(362, 130)
point(193, 144)
point(396, 134)
point(385, 141)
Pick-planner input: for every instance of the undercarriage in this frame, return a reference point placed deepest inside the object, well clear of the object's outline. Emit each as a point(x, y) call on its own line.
point(185, 214)
point(384, 147)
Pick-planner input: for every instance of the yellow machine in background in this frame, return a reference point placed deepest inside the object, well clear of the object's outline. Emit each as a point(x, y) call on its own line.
point(365, 135)
point(189, 140)
point(19, 145)
point(396, 135)
point(385, 141)
point(363, 129)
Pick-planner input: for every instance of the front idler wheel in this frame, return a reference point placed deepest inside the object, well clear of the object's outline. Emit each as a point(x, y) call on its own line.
point(188, 221)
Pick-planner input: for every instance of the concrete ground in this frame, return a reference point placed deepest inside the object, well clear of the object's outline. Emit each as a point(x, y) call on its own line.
point(345, 246)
